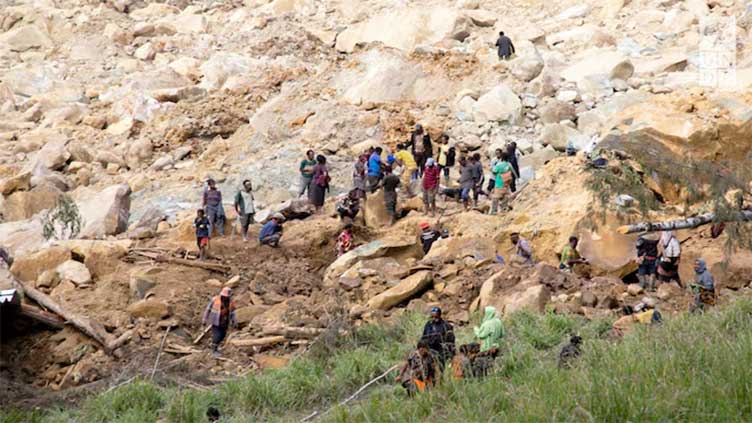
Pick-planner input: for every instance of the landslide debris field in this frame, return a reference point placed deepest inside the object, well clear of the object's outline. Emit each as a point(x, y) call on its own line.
point(126, 107)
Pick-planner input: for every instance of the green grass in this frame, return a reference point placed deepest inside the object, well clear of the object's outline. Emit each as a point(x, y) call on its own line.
point(691, 368)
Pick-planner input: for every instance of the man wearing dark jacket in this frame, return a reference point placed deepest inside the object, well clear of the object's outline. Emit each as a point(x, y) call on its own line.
point(439, 334)
point(505, 46)
point(421, 147)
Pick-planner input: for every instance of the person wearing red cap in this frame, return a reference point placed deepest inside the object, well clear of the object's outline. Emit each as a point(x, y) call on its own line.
point(428, 236)
point(220, 314)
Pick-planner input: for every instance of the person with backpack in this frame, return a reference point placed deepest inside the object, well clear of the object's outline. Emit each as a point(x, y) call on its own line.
point(320, 183)
point(647, 257)
point(422, 149)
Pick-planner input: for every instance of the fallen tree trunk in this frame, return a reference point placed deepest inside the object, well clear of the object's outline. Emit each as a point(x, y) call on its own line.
point(42, 316)
point(214, 267)
point(296, 332)
point(690, 222)
point(260, 342)
point(80, 322)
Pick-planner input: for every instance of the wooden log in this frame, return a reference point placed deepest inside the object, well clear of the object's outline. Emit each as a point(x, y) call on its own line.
point(292, 332)
point(198, 338)
point(259, 342)
point(83, 324)
point(121, 340)
point(690, 222)
point(214, 267)
point(49, 319)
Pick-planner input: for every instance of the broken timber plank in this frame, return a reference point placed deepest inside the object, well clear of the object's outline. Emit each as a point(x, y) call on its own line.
point(259, 342)
point(214, 267)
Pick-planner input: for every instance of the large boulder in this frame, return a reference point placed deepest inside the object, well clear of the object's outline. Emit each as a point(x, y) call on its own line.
point(149, 309)
point(245, 315)
point(100, 257)
point(223, 65)
point(22, 205)
point(559, 136)
point(28, 267)
point(528, 63)
point(555, 111)
point(598, 66)
point(105, 212)
point(18, 182)
point(408, 28)
point(405, 290)
point(371, 250)
point(22, 237)
point(501, 104)
point(53, 155)
point(25, 38)
point(74, 271)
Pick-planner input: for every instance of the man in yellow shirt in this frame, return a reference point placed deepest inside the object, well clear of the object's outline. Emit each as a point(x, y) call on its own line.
point(406, 159)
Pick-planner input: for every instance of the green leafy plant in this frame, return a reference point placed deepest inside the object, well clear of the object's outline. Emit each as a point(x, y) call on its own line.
point(62, 222)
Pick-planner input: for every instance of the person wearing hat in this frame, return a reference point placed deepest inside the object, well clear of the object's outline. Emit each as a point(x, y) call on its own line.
point(428, 236)
point(431, 176)
point(271, 232)
point(491, 330)
point(439, 336)
point(220, 314)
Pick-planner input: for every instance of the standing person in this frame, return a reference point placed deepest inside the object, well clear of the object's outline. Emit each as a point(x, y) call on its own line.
point(478, 178)
point(410, 173)
point(360, 175)
point(467, 181)
point(202, 225)
point(443, 155)
point(306, 173)
point(271, 232)
point(245, 207)
point(431, 177)
point(391, 182)
point(570, 256)
point(345, 240)
point(512, 156)
point(215, 212)
point(502, 172)
point(704, 286)
point(670, 256)
point(374, 169)
point(522, 248)
point(491, 330)
point(320, 183)
point(421, 145)
point(439, 334)
point(647, 256)
point(505, 46)
point(220, 314)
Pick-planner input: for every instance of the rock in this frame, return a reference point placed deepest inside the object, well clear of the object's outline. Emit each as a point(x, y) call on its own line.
point(105, 212)
point(100, 257)
point(245, 315)
point(556, 111)
point(145, 52)
point(405, 290)
point(409, 27)
point(117, 34)
point(139, 151)
point(222, 66)
point(25, 38)
point(143, 29)
point(106, 157)
point(23, 205)
point(595, 63)
point(270, 362)
point(162, 163)
point(501, 104)
point(559, 136)
point(28, 267)
point(567, 96)
point(532, 297)
point(611, 8)
point(527, 63)
point(153, 11)
point(149, 309)
point(190, 23)
point(624, 200)
point(150, 219)
point(48, 279)
point(482, 18)
point(140, 285)
point(19, 182)
point(373, 249)
point(574, 12)
point(52, 156)
point(634, 290)
point(588, 299)
point(187, 67)
point(75, 272)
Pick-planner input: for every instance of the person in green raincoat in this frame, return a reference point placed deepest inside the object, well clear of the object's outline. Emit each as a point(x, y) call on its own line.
point(491, 330)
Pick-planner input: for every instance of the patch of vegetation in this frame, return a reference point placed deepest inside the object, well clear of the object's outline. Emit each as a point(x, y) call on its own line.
point(691, 368)
point(62, 222)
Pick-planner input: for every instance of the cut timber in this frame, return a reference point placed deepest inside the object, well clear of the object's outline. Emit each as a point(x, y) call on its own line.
point(260, 342)
point(42, 316)
point(291, 332)
point(214, 267)
point(200, 337)
point(690, 222)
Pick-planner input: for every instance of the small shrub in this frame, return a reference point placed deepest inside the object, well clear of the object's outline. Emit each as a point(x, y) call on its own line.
point(62, 222)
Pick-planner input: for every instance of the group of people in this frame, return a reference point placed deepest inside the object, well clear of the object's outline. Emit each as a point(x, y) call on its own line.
point(423, 367)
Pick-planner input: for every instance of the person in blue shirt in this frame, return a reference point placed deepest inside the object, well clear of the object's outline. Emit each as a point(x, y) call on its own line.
point(374, 169)
point(271, 232)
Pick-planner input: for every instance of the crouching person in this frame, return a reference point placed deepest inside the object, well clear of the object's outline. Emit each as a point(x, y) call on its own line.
point(220, 314)
point(271, 232)
point(420, 371)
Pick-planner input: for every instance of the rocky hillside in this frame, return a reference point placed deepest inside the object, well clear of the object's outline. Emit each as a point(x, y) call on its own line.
point(127, 106)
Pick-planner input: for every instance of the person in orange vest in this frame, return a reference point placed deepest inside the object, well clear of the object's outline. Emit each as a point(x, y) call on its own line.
point(220, 314)
point(420, 371)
